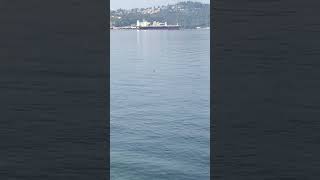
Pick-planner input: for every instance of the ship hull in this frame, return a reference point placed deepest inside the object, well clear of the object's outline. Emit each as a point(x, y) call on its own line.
point(160, 28)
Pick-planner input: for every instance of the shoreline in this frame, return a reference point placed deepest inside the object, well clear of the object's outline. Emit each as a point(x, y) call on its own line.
point(181, 29)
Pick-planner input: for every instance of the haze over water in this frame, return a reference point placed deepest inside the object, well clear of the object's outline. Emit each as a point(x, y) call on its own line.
point(160, 90)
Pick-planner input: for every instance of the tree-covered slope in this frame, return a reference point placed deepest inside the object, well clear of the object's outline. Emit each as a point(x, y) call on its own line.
point(187, 14)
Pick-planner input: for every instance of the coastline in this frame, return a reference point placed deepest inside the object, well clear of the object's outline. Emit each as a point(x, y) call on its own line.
point(137, 29)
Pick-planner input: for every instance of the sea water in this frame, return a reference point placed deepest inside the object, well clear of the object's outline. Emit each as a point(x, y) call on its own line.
point(160, 93)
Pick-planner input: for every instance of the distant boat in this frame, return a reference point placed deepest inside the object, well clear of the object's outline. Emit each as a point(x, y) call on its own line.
point(168, 27)
point(145, 25)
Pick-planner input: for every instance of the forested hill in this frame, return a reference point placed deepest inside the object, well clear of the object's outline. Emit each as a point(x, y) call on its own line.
point(187, 14)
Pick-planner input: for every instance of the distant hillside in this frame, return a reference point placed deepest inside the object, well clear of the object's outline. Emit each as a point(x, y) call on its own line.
point(188, 14)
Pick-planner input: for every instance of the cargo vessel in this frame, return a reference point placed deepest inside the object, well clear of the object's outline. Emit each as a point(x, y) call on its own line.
point(145, 25)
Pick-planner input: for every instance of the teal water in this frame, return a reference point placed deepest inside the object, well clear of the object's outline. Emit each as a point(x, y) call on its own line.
point(160, 91)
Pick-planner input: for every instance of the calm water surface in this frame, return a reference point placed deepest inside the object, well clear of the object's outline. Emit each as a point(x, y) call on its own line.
point(160, 105)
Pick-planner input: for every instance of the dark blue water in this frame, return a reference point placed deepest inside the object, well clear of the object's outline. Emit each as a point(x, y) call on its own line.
point(160, 105)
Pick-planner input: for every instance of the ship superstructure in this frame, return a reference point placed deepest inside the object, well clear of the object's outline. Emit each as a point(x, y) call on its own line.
point(145, 25)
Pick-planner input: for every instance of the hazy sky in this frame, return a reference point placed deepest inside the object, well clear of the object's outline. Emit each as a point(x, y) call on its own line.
point(128, 4)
